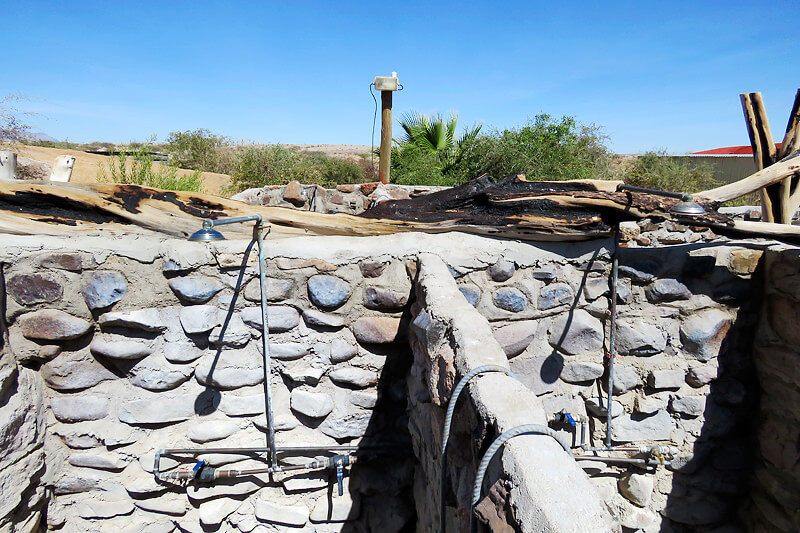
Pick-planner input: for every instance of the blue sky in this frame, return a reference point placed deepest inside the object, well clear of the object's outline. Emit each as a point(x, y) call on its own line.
point(655, 75)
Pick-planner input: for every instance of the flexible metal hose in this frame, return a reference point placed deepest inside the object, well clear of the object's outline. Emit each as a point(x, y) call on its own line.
point(526, 429)
point(448, 420)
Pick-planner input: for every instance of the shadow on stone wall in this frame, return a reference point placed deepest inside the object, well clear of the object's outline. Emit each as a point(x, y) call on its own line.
point(710, 486)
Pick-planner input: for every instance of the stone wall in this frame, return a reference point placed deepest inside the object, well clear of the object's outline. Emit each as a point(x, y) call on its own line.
point(112, 351)
point(683, 374)
point(776, 479)
point(449, 339)
point(113, 348)
point(350, 198)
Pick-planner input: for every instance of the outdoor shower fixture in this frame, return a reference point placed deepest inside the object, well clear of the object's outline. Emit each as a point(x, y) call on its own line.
point(208, 233)
point(687, 206)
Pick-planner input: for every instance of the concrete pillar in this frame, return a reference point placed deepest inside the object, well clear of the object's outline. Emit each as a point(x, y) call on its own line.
point(8, 166)
point(62, 170)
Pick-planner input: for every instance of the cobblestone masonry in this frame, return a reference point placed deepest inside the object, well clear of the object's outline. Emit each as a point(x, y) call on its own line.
point(109, 354)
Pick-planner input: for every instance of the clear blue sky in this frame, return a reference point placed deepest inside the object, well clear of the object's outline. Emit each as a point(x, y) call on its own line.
point(653, 74)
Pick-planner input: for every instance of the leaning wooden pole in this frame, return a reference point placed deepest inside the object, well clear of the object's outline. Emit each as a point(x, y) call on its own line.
point(755, 116)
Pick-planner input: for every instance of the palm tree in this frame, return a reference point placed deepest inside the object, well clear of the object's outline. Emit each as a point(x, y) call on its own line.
point(436, 135)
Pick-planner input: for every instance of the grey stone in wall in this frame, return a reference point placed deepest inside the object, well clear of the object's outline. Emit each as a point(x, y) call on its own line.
point(637, 488)
point(211, 430)
point(691, 406)
point(103, 289)
point(230, 369)
point(667, 290)
point(341, 350)
point(235, 333)
point(52, 325)
point(155, 373)
point(79, 408)
point(576, 333)
point(99, 460)
point(195, 289)
point(637, 337)
point(277, 290)
point(539, 374)
point(75, 371)
point(326, 320)
point(501, 270)
point(120, 349)
point(594, 288)
point(625, 378)
point(311, 404)
point(199, 318)
point(471, 292)
point(286, 351)
point(636, 428)
point(280, 317)
point(581, 371)
point(288, 515)
point(144, 319)
point(328, 291)
point(703, 332)
point(666, 379)
point(697, 376)
point(242, 405)
point(555, 295)
point(353, 377)
point(181, 352)
point(347, 427)
point(157, 410)
point(510, 299)
point(650, 404)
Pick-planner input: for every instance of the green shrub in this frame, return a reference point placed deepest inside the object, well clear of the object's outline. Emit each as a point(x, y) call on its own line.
point(655, 170)
point(544, 149)
point(197, 150)
point(135, 165)
point(415, 166)
point(336, 171)
point(274, 164)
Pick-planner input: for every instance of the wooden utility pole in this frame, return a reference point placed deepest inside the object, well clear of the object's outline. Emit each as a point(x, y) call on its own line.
point(780, 201)
point(386, 85)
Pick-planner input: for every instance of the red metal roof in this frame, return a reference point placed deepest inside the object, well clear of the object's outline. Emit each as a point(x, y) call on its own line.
point(730, 150)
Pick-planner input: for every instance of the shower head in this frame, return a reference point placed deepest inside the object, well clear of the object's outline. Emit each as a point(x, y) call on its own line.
point(206, 234)
point(688, 208)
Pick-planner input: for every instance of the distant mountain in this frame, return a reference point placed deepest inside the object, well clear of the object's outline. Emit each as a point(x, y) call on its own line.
point(40, 136)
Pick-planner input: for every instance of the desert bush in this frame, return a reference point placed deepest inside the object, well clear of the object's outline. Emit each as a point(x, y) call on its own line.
point(545, 149)
point(335, 170)
point(196, 149)
point(13, 121)
point(655, 170)
point(273, 164)
point(135, 165)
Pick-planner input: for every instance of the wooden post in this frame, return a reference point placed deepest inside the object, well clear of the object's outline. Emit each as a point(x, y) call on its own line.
point(780, 201)
point(755, 116)
point(386, 136)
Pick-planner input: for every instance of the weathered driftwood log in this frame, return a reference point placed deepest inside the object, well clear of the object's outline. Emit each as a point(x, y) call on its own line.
point(788, 168)
point(513, 208)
